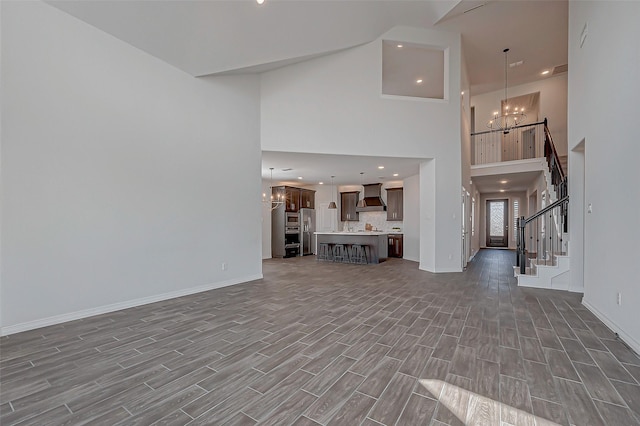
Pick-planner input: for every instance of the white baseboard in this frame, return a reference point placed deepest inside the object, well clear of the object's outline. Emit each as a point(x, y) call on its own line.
point(630, 341)
point(72, 316)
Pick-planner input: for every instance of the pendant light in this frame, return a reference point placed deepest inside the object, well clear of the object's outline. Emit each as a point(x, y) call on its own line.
point(332, 204)
point(361, 202)
point(272, 202)
point(506, 120)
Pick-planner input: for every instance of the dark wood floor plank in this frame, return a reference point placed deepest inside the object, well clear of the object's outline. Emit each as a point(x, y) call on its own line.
point(290, 410)
point(262, 406)
point(616, 415)
point(227, 355)
point(511, 363)
point(389, 406)
point(551, 411)
point(418, 411)
point(576, 351)
point(353, 411)
point(560, 364)
point(578, 404)
point(453, 402)
point(611, 367)
point(332, 400)
point(378, 379)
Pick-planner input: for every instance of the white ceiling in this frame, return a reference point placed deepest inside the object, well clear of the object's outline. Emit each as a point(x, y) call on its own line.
point(236, 36)
point(221, 36)
point(514, 182)
point(316, 168)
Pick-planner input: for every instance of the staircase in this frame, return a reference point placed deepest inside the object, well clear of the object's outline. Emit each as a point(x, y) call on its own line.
point(555, 275)
point(543, 245)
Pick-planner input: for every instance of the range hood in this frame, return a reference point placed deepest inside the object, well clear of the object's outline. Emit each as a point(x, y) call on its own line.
point(372, 199)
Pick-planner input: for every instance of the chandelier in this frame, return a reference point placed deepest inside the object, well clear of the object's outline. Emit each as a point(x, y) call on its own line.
point(506, 119)
point(274, 201)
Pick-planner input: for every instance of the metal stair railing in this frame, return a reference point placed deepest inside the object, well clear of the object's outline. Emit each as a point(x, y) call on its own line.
point(545, 231)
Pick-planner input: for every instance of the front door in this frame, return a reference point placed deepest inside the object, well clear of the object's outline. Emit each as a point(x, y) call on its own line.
point(497, 223)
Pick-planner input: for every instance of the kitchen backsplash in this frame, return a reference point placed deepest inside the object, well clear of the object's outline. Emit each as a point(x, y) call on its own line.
point(378, 220)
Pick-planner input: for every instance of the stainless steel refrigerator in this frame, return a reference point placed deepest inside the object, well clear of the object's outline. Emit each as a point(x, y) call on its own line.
point(307, 229)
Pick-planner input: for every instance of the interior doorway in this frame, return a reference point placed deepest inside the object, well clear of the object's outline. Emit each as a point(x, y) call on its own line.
point(498, 223)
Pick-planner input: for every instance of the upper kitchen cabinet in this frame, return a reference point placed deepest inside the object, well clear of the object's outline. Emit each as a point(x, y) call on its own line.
point(348, 202)
point(394, 203)
point(292, 199)
point(295, 198)
point(307, 199)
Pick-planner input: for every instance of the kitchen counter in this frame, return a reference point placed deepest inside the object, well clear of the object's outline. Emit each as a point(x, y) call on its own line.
point(353, 233)
point(377, 242)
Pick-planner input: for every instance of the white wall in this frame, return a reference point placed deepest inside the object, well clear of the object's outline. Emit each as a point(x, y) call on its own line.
point(603, 92)
point(553, 105)
point(124, 180)
point(266, 221)
point(333, 105)
point(411, 219)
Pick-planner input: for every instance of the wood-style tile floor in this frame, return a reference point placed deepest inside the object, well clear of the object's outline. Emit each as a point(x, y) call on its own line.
point(331, 344)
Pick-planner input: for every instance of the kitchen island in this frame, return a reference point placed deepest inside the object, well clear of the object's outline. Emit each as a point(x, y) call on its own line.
point(376, 241)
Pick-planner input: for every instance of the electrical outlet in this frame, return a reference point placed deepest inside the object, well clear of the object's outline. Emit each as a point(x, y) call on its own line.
point(224, 266)
point(619, 298)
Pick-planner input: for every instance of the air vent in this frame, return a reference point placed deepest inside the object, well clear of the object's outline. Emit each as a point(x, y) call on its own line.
point(560, 69)
point(287, 170)
point(516, 64)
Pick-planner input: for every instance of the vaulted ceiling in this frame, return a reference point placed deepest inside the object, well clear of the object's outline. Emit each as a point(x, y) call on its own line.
point(223, 36)
point(241, 36)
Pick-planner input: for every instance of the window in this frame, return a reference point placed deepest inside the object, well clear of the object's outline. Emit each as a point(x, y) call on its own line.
point(516, 215)
point(473, 216)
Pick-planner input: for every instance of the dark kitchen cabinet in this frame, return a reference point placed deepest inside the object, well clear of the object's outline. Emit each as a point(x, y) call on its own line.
point(348, 201)
point(307, 199)
point(292, 199)
point(395, 199)
point(395, 245)
point(295, 198)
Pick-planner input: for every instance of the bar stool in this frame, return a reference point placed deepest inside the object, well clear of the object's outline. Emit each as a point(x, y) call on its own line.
point(325, 252)
point(359, 253)
point(340, 253)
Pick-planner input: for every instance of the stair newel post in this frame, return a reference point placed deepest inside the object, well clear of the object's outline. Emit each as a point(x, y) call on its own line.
point(522, 261)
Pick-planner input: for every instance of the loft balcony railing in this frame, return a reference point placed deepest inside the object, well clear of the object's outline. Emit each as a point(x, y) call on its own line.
point(519, 143)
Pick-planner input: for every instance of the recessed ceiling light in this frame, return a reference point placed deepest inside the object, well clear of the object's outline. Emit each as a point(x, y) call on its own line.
point(545, 72)
point(260, 1)
point(462, 93)
point(320, 183)
point(502, 190)
point(504, 181)
point(419, 81)
point(299, 177)
point(381, 167)
point(395, 175)
point(400, 46)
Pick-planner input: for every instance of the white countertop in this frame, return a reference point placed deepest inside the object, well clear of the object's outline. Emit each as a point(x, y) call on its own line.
point(353, 233)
